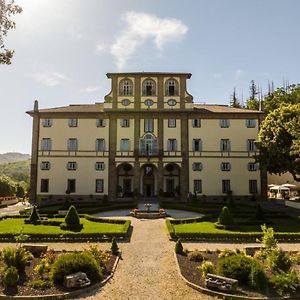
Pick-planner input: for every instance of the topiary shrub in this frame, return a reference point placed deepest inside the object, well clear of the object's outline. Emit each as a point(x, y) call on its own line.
point(15, 257)
point(285, 282)
point(257, 276)
point(72, 220)
point(236, 266)
point(195, 256)
point(114, 247)
point(206, 267)
point(278, 260)
point(225, 217)
point(34, 217)
point(10, 277)
point(178, 247)
point(69, 263)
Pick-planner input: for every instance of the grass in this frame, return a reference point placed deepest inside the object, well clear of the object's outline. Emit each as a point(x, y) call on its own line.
point(14, 226)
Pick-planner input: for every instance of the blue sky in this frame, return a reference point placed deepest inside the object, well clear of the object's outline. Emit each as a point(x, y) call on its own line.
point(64, 48)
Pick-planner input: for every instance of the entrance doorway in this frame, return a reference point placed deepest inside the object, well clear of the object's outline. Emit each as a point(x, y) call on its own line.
point(148, 186)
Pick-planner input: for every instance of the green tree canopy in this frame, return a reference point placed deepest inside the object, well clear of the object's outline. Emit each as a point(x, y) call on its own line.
point(279, 141)
point(7, 187)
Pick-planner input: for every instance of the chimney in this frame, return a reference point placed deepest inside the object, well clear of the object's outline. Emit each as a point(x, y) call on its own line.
point(36, 106)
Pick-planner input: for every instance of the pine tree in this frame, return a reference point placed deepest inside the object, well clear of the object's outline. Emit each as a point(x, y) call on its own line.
point(234, 100)
point(34, 216)
point(114, 246)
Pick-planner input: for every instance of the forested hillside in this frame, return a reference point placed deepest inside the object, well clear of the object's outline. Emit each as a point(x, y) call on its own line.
point(13, 157)
point(17, 171)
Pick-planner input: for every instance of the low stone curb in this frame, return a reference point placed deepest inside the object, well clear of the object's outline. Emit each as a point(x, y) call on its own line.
point(68, 295)
point(223, 295)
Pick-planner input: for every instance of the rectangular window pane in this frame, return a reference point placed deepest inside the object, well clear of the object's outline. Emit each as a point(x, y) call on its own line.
point(71, 187)
point(197, 166)
point(72, 122)
point(252, 166)
point(225, 145)
point(226, 186)
point(72, 145)
point(47, 122)
point(124, 123)
point(172, 123)
point(252, 186)
point(172, 145)
point(46, 144)
point(99, 166)
point(197, 145)
point(72, 165)
point(100, 145)
point(197, 186)
point(125, 145)
point(251, 145)
point(100, 122)
point(196, 123)
point(99, 185)
point(44, 185)
point(225, 166)
point(224, 123)
point(45, 165)
point(148, 124)
point(250, 123)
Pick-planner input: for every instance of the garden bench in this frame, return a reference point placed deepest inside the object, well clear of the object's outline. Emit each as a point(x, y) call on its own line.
point(220, 282)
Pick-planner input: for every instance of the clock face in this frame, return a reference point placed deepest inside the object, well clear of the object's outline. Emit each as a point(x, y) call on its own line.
point(172, 102)
point(148, 102)
point(125, 102)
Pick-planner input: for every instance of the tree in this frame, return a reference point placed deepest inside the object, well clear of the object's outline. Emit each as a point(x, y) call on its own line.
point(234, 100)
point(7, 10)
point(7, 187)
point(279, 141)
point(252, 102)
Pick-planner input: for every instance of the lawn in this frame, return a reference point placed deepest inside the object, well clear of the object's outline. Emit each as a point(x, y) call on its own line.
point(14, 226)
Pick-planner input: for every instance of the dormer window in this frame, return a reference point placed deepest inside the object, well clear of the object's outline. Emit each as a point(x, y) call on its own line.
point(171, 87)
point(149, 87)
point(126, 87)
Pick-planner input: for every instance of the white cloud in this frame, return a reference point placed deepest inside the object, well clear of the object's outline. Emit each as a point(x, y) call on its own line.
point(100, 48)
point(217, 75)
point(48, 78)
point(140, 27)
point(239, 73)
point(90, 89)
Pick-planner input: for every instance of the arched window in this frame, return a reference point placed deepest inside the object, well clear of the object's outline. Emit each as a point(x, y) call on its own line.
point(149, 87)
point(126, 87)
point(171, 87)
point(148, 145)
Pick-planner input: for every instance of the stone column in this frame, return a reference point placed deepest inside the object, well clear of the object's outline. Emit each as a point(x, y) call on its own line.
point(112, 171)
point(184, 172)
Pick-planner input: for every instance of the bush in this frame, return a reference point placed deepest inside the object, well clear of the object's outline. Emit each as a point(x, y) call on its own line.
point(114, 246)
point(236, 266)
point(195, 256)
point(100, 256)
point(34, 216)
point(285, 282)
point(178, 247)
point(10, 277)
point(69, 263)
point(72, 220)
point(225, 217)
point(40, 284)
point(16, 257)
point(257, 276)
point(278, 260)
point(206, 267)
point(42, 268)
point(226, 253)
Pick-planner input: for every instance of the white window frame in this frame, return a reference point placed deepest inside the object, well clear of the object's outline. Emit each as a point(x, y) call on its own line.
point(125, 123)
point(125, 145)
point(46, 144)
point(252, 166)
point(72, 165)
point(225, 145)
point(99, 186)
point(172, 123)
point(197, 186)
point(73, 122)
point(100, 123)
point(224, 123)
point(172, 145)
point(196, 123)
point(199, 147)
point(100, 145)
point(47, 122)
point(45, 165)
point(126, 87)
point(72, 144)
point(250, 123)
point(99, 166)
point(225, 166)
point(197, 166)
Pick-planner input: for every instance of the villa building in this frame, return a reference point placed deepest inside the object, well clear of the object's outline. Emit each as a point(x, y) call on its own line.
point(148, 138)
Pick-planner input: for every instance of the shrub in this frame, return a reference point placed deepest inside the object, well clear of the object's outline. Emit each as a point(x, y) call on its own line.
point(278, 260)
point(50, 256)
point(296, 259)
point(114, 246)
point(72, 220)
point(40, 284)
point(257, 276)
point(15, 257)
point(42, 268)
point(236, 266)
point(34, 216)
point(285, 282)
point(195, 256)
point(268, 239)
point(10, 277)
point(226, 253)
point(206, 267)
point(225, 217)
point(100, 256)
point(178, 247)
point(69, 263)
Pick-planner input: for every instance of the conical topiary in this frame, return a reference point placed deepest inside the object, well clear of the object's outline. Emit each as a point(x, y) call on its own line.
point(114, 246)
point(34, 216)
point(178, 247)
point(225, 217)
point(72, 219)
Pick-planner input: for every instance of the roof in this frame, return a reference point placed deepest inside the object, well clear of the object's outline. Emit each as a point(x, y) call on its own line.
point(109, 75)
point(218, 108)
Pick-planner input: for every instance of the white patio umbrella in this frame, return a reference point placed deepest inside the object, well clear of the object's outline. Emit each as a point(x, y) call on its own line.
point(288, 185)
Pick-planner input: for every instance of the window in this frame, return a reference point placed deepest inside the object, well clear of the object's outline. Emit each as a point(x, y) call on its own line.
point(197, 166)
point(46, 144)
point(225, 145)
point(226, 186)
point(251, 145)
point(47, 122)
point(99, 185)
point(225, 166)
point(100, 123)
point(45, 165)
point(99, 166)
point(252, 166)
point(172, 102)
point(171, 123)
point(197, 186)
point(126, 87)
point(252, 186)
point(124, 123)
point(148, 145)
point(125, 145)
point(125, 102)
point(71, 186)
point(250, 123)
point(224, 123)
point(196, 123)
point(72, 144)
point(149, 87)
point(100, 145)
point(148, 125)
point(197, 145)
point(44, 185)
point(72, 122)
point(149, 102)
point(171, 87)
point(72, 165)
point(172, 145)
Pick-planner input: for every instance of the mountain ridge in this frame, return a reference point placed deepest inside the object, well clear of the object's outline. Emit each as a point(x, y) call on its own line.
point(11, 157)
